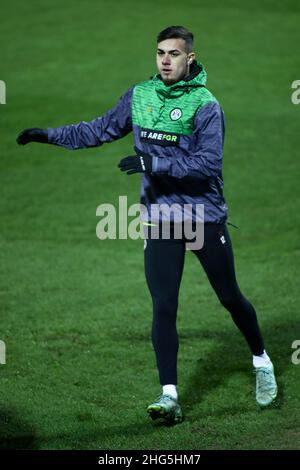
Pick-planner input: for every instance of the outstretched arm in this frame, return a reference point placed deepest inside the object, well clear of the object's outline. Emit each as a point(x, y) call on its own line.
point(113, 125)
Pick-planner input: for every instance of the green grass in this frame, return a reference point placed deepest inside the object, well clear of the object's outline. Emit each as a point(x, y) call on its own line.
point(76, 313)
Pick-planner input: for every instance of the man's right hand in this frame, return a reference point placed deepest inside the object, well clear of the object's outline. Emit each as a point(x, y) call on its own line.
point(32, 135)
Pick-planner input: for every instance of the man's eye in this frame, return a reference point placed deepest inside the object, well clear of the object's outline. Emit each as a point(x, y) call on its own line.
point(175, 54)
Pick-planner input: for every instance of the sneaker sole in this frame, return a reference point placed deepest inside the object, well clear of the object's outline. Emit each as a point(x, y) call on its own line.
point(156, 412)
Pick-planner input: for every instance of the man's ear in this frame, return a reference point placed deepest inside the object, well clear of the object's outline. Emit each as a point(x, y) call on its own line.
point(191, 57)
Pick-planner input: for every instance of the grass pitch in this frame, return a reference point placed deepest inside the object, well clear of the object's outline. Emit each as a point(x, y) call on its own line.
point(76, 313)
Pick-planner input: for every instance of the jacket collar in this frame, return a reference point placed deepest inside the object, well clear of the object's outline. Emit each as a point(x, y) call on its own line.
point(196, 79)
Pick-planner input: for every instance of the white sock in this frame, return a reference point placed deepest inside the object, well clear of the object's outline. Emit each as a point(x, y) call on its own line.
point(170, 390)
point(262, 361)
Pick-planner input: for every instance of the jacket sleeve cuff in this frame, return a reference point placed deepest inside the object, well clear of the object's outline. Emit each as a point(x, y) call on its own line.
point(160, 165)
point(51, 135)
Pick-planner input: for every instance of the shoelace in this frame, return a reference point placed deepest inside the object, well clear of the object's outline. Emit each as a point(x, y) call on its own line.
point(264, 378)
point(164, 397)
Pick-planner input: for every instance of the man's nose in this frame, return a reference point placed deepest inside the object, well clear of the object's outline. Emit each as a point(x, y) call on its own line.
point(166, 60)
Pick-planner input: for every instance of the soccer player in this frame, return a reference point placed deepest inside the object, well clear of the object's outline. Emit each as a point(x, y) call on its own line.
point(178, 128)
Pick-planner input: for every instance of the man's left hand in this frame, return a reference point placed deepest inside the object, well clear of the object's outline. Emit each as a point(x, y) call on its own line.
point(139, 163)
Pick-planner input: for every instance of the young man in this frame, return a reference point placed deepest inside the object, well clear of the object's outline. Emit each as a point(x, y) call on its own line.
point(178, 129)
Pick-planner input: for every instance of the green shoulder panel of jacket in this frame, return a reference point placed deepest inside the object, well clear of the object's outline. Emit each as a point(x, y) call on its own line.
point(170, 108)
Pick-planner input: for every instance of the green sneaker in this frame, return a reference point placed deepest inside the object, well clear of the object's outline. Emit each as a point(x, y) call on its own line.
point(166, 407)
point(266, 387)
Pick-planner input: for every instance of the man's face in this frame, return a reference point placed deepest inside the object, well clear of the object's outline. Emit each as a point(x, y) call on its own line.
point(172, 60)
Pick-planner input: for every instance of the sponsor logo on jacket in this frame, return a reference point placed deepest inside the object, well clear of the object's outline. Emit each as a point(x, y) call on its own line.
point(159, 137)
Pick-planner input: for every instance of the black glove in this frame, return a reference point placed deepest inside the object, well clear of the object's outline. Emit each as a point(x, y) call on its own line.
point(139, 163)
point(33, 135)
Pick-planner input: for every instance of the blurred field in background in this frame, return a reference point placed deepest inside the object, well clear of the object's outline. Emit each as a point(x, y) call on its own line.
point(76, 312)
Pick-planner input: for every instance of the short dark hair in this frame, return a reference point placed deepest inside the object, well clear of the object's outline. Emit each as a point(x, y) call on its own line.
point(177, 32)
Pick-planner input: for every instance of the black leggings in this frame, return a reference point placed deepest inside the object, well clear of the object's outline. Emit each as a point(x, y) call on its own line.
point(164, 261)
